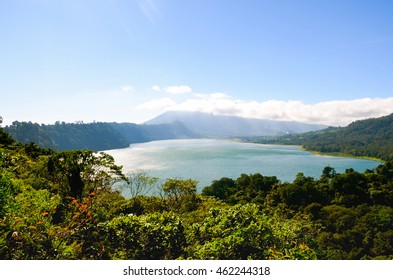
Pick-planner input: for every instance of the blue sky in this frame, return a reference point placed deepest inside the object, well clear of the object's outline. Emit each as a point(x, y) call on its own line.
point(129, 60)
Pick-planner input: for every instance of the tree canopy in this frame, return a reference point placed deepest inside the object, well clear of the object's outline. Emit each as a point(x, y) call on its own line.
point(69, 205)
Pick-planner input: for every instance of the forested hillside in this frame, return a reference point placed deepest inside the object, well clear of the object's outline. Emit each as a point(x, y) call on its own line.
point(63, 205)
point(368, 138)
point(94, 136)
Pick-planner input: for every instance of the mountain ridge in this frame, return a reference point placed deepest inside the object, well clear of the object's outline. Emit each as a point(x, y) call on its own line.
point(210, 125)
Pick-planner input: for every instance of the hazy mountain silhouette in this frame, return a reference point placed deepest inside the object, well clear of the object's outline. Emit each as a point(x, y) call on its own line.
point(209, 125)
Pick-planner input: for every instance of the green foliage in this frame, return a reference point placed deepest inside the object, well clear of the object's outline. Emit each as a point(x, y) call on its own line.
point(221, 189)
point(244, 232)
point(27, 231)
point(180, 194)
point(202, 210)
point(356, 233)
point(246, 188)
point(139, 183)
point(66, 205)
point(152, 236)
point(143, 205)
point(5, 139)
point(351, 188)
point(7, 191)
point(80, 172)
point(107, 205)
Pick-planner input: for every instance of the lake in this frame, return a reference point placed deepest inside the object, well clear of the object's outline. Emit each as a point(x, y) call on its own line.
point(206, 160)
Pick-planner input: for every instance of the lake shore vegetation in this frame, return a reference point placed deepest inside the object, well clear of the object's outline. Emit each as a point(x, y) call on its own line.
point(68, 205)
point(370, 139)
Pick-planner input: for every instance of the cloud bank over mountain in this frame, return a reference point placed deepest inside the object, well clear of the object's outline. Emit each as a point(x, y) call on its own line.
point(336, 112)
point(209, 125)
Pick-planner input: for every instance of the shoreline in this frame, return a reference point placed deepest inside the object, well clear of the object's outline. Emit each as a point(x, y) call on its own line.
point(337, 154)
point(334, 154)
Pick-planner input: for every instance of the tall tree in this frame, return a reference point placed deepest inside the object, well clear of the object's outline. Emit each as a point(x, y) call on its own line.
point(83, 171)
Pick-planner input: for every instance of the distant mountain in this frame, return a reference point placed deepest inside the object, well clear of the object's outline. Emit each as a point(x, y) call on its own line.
point(94, 136)
point(209, 125)
point(370, 138)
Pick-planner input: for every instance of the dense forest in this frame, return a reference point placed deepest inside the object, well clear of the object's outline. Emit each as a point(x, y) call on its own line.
point(97, 136)
point(365, 138)
point(70, 205)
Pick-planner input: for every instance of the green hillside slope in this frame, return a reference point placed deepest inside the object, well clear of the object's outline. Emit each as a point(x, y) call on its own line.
point(93, 136)
point(365, 138)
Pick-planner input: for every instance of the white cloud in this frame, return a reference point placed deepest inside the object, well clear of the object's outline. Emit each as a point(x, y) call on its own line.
point(156, 88)
point(181, 89)
point(211, 96)
point(178, 89)
point(172, 89)
point(338, 113)
point(127, 88)
point(157, 104)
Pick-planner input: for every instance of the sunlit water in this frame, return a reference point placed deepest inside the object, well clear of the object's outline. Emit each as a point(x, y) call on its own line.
point(206, 160)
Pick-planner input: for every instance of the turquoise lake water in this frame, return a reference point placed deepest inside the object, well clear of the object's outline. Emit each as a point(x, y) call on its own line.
point(206, 160)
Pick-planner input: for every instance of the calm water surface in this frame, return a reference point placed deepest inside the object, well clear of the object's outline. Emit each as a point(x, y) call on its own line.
point(206, 160)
